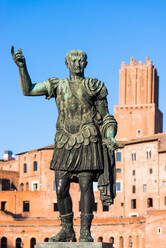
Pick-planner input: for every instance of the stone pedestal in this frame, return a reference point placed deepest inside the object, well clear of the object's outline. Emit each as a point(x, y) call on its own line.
point(73, 245)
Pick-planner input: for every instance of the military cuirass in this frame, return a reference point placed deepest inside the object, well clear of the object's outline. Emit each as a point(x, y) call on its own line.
point(76, 111)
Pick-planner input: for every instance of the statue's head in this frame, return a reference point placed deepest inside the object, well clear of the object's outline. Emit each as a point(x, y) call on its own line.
point(76, 61)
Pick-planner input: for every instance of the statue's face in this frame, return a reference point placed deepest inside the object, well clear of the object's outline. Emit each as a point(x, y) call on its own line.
point(76, 64)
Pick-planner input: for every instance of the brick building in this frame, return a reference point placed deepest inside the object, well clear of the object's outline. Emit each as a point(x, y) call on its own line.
point(138, 113)
point(137, 219)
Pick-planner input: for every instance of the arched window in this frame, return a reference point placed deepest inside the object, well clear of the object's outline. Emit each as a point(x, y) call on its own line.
point(19, 243)
point(111, 240)
point(27, 186)
point(46, 239)
point(32, 242)
point(21, 187)
point(100, 239)
point(3, 242)
point(130, 244)
point(121, 242)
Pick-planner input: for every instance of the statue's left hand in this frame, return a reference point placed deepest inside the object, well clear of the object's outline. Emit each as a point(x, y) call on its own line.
point(112, 144)
point(110, 138)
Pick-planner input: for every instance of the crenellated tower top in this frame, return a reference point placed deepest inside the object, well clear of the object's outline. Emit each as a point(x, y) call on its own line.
point(138, 83)
point(138, 98)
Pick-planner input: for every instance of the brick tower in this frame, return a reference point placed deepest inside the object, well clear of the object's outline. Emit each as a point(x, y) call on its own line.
point(137, 113)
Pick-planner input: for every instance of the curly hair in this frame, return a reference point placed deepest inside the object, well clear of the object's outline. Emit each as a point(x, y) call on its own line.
point(80, 53)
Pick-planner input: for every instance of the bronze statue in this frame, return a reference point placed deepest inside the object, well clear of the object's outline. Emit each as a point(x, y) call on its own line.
point(84, 140)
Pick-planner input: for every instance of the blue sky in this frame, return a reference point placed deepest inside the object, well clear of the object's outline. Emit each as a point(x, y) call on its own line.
point(108, 31)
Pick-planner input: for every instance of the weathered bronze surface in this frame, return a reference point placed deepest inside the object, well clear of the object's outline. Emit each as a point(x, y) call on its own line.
point(84, 140)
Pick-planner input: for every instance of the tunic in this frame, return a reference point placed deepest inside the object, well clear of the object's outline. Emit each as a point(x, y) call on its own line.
point(79, 139)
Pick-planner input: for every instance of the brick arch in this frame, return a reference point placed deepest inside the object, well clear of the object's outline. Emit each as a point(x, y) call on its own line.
point(100, 239)
point(19, 242)
point(130, 242)
point(32, 242)
point(21, 187)
point(27, 186)
point(3, 242)
point(112, 240)
point(46, 239)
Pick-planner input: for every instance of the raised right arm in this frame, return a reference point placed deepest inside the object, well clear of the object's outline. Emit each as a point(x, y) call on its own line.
point(28, 89)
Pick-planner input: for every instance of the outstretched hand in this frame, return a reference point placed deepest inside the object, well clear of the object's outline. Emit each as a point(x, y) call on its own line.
point(18, 57)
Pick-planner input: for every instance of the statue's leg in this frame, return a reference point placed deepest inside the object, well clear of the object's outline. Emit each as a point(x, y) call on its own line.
point(63, 195)
point(87, 202)
point(66, 233)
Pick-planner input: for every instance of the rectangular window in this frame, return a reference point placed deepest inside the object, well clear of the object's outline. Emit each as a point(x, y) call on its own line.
point(118, 170)
point(133, 204)
point(149, 202)
point(133, 189)
point(3, 203)
point(25, 168)
point(144, 188)
point(55, 206)
point(148, 154)
point(95, 207)
point(118, 186)
point(35, 165)
point(133, 156)
point(26, 206)
point(150, 171)
point(35, 186)
point(5, 184)
point(133, 172)
point(105, 208)
point(118, 156)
